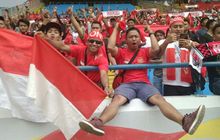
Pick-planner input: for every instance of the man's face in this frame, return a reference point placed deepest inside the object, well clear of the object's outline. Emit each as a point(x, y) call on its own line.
point(130, 23)
point(186, 25)
point(94, 45)
point(216, 34)
point(133, 39)
point(96, 26)
point(2, 24)
point(23, 27)
point(159, 36)
point(53, 34)
point(113, 22)
point(177, 28)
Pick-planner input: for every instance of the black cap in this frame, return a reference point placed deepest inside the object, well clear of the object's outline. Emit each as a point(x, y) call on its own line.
point(2, 18)
point(55, 25)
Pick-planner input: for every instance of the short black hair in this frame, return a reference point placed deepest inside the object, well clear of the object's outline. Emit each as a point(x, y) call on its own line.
point(160, 31)
point(96, 22)
point(25, 21)
point(131, 19)
point(131, 29)
point(215, 27)
point(2, 18)
point(55, 25)
point(112, 19)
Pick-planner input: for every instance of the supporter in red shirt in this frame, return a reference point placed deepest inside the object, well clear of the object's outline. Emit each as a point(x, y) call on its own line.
point(90, 55)
point(23, 25)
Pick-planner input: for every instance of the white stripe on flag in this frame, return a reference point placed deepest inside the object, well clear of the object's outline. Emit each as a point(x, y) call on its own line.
point(13, 96)
point(54, 105)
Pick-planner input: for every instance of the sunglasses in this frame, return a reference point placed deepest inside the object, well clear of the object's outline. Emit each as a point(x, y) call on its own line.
point(96, 42)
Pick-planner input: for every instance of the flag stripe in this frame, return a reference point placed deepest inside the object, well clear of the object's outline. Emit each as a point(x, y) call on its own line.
point(13, 97)
point(74, 85)
point(53, 104)
point(16, 52)
point(118, 133)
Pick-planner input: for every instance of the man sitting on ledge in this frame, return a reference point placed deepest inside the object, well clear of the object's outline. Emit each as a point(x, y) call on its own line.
point(137, 85)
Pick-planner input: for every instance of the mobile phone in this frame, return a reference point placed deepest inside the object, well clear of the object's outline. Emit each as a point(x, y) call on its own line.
point(184, 36)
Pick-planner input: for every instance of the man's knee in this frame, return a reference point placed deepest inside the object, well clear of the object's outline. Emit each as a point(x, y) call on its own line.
point(156, 99)
point(119, 100)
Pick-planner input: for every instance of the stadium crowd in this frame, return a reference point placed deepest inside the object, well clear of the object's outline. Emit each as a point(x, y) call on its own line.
point(96, 38)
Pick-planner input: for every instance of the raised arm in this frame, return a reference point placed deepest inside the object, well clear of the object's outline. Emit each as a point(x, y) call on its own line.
point(113, 49)
point(75, 23)
point(154, 49)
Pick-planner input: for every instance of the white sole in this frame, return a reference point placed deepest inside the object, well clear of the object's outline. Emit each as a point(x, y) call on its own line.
point(198, 120)
point(86, 126)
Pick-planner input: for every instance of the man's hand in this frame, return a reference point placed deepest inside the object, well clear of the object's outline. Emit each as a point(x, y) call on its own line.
point(108, 92)
point(171, 38)
point(69, 11)
point(185, 43)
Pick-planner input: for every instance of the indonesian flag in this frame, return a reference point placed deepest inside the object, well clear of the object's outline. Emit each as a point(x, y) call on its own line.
point(39, 85)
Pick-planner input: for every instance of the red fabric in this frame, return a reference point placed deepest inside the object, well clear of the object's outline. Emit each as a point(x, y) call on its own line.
point(190, 20)
point(99, 60)
point(122, 25)
point(67, 78)
point(171, 72)
point(16, 52)
point(124, 56)
point(118, 133)
point(153, 27)
point(177, 19)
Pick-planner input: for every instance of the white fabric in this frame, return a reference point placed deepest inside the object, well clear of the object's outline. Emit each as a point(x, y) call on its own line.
point(54, 105)
point(13, 96)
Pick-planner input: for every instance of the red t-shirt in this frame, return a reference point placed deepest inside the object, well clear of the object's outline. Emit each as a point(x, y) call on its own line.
point(92, 60)
point(124, 56)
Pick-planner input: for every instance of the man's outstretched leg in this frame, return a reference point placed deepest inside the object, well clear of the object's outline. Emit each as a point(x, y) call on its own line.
point(189, 122)
point(95, 126)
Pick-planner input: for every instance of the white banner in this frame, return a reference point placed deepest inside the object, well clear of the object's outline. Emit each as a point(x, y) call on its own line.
point(185, 14)
point(195, 59)
point(112, 13)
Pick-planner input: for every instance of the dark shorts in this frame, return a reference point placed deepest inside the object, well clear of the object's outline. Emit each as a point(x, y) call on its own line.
point(177, 90)
point(139, 90)
point(215, 86)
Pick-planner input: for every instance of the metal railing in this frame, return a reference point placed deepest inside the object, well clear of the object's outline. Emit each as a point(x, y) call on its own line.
point(149, 66)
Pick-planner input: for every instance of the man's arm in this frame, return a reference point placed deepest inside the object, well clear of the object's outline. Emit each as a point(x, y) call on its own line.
point(104, 81)
point(170, 38)
point(113, 49)
point(154, 49)
point(75, 23)
point(59, 45)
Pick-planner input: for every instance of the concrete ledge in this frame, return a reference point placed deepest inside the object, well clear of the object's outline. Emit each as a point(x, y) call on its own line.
point(136, 115)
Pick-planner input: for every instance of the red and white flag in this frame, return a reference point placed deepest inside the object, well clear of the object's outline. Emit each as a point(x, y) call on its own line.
point(40, 85)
